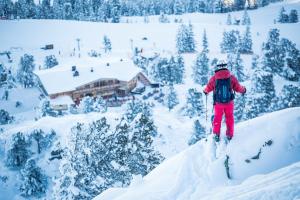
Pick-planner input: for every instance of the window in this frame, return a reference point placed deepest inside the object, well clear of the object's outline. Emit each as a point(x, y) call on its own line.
point(97, 84)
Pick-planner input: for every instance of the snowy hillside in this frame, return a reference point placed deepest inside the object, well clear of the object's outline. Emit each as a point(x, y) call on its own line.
point(196, 174)
point(87, 150)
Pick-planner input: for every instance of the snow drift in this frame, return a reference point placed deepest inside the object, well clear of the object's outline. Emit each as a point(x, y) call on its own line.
point(260, 146)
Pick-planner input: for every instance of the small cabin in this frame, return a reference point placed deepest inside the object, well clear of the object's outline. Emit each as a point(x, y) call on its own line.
point(112, 82)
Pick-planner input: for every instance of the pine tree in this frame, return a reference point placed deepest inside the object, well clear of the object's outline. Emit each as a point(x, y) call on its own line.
point(238, 68)
point(5, 117)
point(133, 108)
point(141, 144)
point(107, 44)
point(273, 59)
point(254, 63)
point(205, 42)
point(200, 69)
point(185, 39)
point(190, 39)
point(19, 153)
point(290, 96)
point(34, 182)
point(246, 42)
point(6, 8)
point(86, 104)
point(50, 61)
point(198, 134)
point(178, 71)
point(239, 105)
point(194, 105)
point(246, 19)
point(230, 42)
point(171, 98)
point(293, 16)
point(262, 93)
point(58, 9)
point(99, 105)
point(115, 11)
point(178, 7)
point(25, 71)
point(290, 71)
point(283, 17)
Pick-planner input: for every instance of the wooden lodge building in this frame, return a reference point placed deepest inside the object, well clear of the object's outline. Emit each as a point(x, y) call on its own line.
point(108, 80)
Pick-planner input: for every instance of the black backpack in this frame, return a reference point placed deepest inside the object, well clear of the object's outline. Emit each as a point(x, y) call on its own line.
point(223, 92)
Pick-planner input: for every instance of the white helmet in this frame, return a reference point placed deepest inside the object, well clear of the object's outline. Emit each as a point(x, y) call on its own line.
point(221, 64)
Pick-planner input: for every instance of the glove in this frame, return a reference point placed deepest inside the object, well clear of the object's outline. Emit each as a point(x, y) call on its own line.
point(205, 92)
point(244, 92)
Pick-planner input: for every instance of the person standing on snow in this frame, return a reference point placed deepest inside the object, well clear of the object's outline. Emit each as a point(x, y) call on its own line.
point(223, 84)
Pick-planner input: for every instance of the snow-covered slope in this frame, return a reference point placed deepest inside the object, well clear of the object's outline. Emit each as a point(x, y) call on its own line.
point(196, 174)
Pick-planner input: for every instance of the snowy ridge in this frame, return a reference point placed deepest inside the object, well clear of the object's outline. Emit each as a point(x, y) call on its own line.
point(196, 174)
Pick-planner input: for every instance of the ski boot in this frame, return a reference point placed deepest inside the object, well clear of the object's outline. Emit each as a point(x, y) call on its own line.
point(217, 138)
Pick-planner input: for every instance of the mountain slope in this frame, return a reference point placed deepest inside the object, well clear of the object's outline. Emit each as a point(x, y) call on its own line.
point(196, 173)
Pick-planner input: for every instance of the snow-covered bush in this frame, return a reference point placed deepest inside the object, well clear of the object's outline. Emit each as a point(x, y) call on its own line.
point(34, 182)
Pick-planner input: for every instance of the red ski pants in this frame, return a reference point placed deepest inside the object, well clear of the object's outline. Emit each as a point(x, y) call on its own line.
point(227, 109)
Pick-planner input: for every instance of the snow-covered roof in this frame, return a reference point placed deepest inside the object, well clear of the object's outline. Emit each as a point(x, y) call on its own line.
point(60, 78)
point(62, 100)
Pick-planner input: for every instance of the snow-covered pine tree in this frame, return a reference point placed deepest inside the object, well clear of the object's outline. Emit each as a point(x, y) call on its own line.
point(198, 133)
point(87, 104)
point(133, 108)
point(246, 19)
point(50, 61)
point(262, 93)
point(185, 42)
point(5, 117)
point(190, 39)
point(45, 108)
point(291, 69)
point(246, 42)
point(254, 63)
point(6, 8)
point(115, 11)
point(229, 21)
point(283, 16)
point(290, 96)
point(171, 98)
point(205, 42)
point(239, 107)
point(178, 7)
point(19, 152)
point(293, 16)
point(43, 140)
point(25, 71)
point(178, 71)
point(230, 42)
point(143, 157)
point(34, 181)
point(194, 104)
point(107, 44)
point(238, 67)
point(273, 54)
point(99, 105)
point(58, 9)
point(200, 69)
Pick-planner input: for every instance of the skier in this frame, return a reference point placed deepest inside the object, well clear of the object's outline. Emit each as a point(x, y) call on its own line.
point(223, 84)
